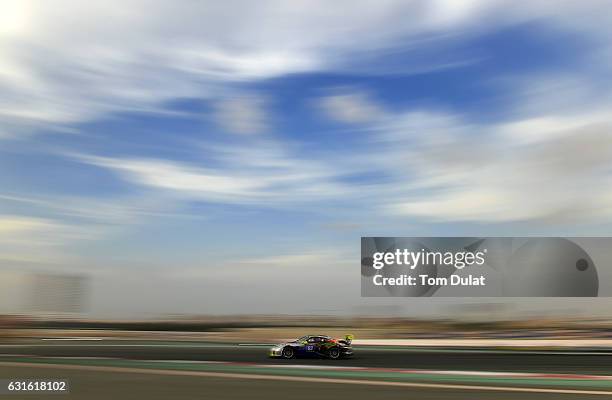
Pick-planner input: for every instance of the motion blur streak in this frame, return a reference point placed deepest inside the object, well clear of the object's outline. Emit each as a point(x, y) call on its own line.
point(314, 380)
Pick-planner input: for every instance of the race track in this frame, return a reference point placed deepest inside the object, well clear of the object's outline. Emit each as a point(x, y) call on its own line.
point(97, 385)
point(439, 359)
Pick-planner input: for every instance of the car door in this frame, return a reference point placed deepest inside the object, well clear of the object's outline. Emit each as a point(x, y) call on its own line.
point(312, 345)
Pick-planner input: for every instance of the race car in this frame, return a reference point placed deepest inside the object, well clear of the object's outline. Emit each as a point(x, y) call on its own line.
point(314, 346)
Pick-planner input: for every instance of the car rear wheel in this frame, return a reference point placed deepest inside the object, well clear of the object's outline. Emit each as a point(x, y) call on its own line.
point(334, 353)
point(288, 352)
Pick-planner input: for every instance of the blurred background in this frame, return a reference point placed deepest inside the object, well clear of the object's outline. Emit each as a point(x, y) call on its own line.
point(207, 168)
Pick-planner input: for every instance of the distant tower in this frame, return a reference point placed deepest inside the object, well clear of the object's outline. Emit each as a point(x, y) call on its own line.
point(42, 293)
point(57, 293)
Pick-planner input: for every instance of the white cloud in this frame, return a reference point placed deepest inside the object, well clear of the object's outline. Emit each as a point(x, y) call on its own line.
point(242, 114)
point(538, 170)
point(436, 166)
point(295, 262)
point(351, 106)
point(102, 212)
point(14, 17)
point(311, 264)
point(71, 61)
point(260, 172)
point(28, 231)
point(550, 127)
point(12, 225)
point(49, 228)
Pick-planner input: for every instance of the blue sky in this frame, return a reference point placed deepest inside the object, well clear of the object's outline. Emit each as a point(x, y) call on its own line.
point(201, 150)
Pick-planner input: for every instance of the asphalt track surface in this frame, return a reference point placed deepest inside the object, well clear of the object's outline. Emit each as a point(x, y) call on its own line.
point(96, 385)
point(434, 359)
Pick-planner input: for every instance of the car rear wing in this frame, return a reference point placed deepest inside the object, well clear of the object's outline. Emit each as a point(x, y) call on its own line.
point(347, 339)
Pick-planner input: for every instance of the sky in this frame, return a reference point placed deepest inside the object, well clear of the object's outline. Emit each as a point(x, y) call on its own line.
point(226, 157)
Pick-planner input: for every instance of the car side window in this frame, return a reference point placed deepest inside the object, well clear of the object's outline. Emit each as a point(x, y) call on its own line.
point(312, 340)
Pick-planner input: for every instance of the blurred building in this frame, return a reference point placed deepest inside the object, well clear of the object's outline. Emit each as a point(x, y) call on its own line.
point(41, 293)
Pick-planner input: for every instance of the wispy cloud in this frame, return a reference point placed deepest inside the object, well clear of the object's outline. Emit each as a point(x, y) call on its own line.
point(261, 172)
point(310, 263)
point(537, 170)
point(437, 166)
point(12, 225)
point(243, 114)
point(351, 106)
point(20, 230)
point(93, 59)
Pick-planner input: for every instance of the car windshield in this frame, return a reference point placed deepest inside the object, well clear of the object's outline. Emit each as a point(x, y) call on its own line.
point(303, 338)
